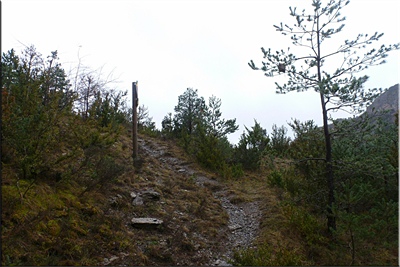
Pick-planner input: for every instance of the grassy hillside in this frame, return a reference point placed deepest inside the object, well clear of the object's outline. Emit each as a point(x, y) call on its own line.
point(55, 224)
point(70, 187)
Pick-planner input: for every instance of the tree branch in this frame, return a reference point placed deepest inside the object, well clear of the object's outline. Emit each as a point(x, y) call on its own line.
point(305, 57)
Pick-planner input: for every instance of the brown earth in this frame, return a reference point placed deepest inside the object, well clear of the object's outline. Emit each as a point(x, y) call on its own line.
point(204, 218)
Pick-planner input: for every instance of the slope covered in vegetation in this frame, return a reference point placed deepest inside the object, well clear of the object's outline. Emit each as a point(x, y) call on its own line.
point(70, 186)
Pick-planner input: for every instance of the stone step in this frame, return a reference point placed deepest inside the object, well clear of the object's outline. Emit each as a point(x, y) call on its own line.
point(150, 223)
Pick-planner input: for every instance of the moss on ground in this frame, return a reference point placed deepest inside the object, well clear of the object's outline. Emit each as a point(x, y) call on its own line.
point(55, 224)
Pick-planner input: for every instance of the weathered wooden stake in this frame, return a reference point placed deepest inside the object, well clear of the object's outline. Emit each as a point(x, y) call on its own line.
point(135, 102)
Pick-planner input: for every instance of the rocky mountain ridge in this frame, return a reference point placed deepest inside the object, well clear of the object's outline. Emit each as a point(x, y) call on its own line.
point(388, 101)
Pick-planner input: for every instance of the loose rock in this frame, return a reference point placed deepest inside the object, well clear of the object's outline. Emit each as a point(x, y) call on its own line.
point(108, 261)
point(150, 194)
point(234, 227)
point(138, 201)
point(146, 222)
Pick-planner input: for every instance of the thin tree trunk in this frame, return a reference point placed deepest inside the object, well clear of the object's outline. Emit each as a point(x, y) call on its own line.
point(329, 170)
point(352, 247)
point(328, 158)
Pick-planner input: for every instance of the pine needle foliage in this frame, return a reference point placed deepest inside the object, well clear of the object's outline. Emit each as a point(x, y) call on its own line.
point(338, 89)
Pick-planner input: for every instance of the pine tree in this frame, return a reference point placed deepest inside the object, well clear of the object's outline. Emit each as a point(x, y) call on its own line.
point(251, 146)
point(190, 110)
point(338, 90)
point(217, 126)
point(279, 140)
point(32, 114)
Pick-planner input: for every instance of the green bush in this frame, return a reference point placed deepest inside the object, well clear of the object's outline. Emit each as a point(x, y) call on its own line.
point(285, 179)
point(291, 181)
point(386, 223)
point(208, 154)
point(279, 141)
point(275, 179)
point(251, 147)
point(237, 170)
point(103, 173)
point(305, 223)
point(230, 171)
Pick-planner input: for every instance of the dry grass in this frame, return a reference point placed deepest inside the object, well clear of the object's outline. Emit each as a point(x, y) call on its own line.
point(84, 230)
point(54, 226)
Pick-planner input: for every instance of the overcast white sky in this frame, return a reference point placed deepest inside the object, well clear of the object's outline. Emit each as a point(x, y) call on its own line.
point(168, 46)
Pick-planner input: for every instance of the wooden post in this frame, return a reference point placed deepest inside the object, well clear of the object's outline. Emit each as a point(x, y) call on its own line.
point(135, 103)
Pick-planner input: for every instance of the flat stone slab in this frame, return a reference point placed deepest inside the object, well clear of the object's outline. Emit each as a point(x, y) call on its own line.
point(146, 222)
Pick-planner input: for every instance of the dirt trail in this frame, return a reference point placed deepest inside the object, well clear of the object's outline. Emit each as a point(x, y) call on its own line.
point(244, 218)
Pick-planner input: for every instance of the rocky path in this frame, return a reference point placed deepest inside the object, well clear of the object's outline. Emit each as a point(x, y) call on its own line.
point(244, 218)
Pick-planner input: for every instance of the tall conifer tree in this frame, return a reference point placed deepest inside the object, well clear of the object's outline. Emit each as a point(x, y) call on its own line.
point(338, 90)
